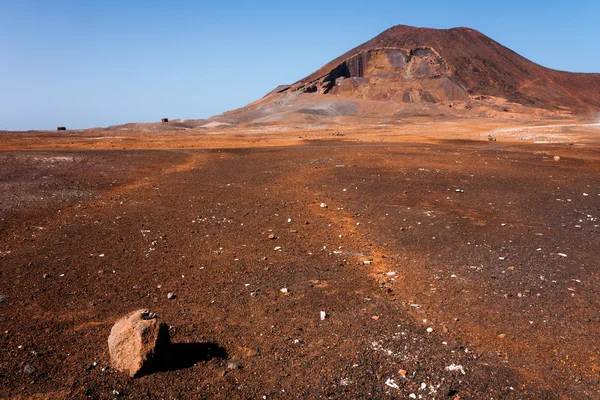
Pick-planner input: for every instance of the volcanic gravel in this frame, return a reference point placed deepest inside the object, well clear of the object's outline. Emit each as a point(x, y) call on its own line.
point(452, 270)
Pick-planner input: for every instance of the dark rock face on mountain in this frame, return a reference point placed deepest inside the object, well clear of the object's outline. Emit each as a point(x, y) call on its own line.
point(408, 64)
point(409, 76)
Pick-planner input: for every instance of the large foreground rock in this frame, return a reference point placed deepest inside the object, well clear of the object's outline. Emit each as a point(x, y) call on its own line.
point(137, 342)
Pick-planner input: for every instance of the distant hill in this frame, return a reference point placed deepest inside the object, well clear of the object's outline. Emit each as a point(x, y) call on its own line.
point(407, 65)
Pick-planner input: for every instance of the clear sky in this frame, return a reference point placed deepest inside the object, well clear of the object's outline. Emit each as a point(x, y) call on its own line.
point(86, 63)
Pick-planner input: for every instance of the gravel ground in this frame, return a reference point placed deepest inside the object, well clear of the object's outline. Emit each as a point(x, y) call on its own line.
point(459, 270)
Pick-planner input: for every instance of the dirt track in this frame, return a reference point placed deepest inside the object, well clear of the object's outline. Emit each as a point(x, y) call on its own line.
point(492, 245)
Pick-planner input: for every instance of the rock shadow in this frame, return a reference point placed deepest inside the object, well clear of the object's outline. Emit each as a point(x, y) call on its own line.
point(186, 355)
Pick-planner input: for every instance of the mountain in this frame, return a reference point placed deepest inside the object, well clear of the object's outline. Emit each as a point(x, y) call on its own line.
point(406, 65)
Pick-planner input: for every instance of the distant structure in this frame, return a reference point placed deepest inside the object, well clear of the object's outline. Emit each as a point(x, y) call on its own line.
point(165, 119)
point(61, 128)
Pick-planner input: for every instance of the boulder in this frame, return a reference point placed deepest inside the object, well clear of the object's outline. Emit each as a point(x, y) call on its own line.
point(61, 128)
point(138, 342)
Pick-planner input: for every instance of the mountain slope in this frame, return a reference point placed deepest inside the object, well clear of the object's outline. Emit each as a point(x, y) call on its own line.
point(482, 66)
point(428, 66)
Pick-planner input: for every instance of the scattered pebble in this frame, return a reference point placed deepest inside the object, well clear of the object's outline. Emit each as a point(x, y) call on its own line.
point(392, 383)
point(284, 290)
point(232, 365)
point(29, 369)
point(454, 367)
point(272, 236)
point(170, 296)
point(323, 315)
point(429, 330)
point(323, 205)
point(556, 158)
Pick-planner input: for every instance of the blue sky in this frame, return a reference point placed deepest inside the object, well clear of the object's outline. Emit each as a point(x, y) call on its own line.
point(84, 63)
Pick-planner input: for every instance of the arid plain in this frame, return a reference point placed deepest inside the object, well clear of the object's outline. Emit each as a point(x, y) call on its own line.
point(425, 223)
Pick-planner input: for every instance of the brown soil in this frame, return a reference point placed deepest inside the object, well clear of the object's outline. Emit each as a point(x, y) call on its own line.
point(428, 224)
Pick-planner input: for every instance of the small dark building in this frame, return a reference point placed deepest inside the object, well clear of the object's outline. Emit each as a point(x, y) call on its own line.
point(165, 119)
point(61, 128)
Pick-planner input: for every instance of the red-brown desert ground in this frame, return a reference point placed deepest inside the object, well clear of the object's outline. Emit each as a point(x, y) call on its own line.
point(449, 266)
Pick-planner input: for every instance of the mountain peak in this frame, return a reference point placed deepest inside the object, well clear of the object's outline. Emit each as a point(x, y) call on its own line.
point(409, 65)
point(469, 59)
